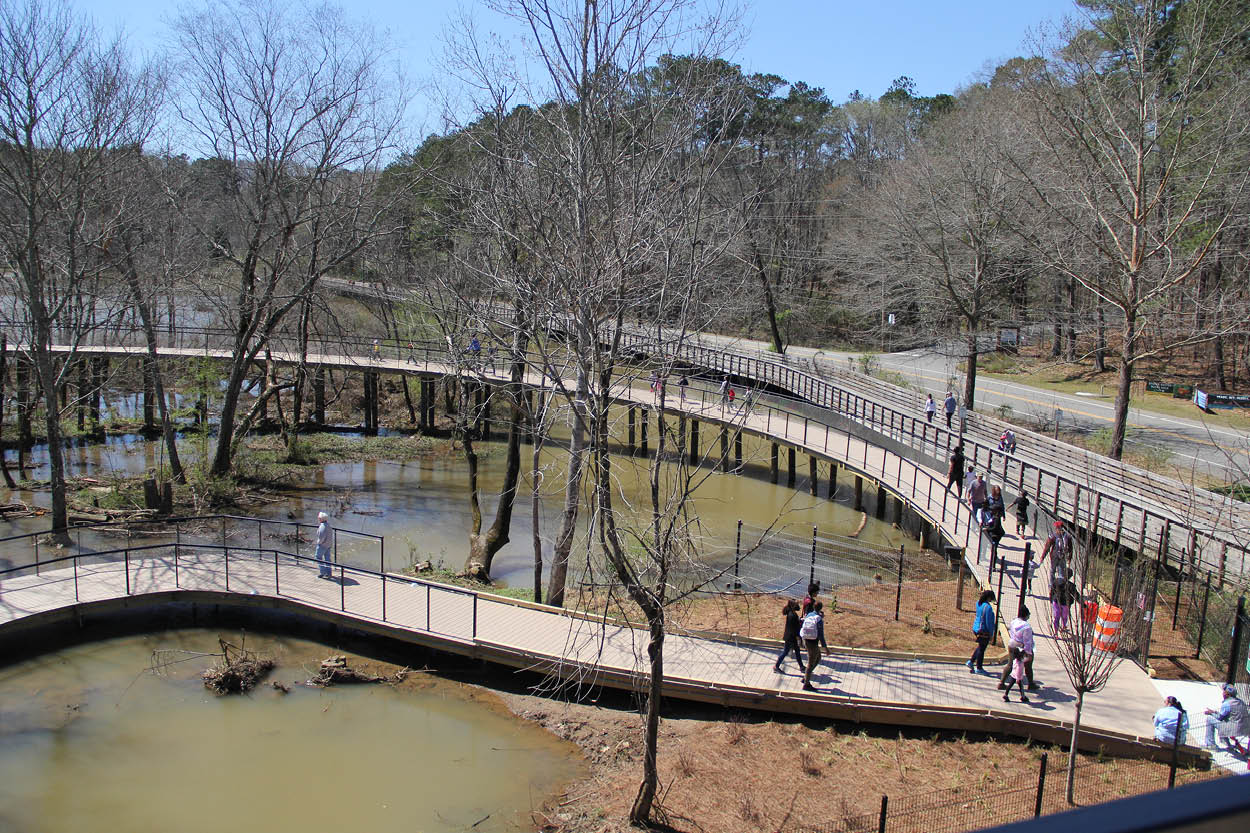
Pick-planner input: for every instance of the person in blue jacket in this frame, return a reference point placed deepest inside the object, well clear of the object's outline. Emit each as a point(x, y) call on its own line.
point(983, 628)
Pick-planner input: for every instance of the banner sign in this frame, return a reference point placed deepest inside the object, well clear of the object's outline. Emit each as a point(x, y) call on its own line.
point(1182, 391)
point(1200, 398)
point(1160, 387)
point(1228, 400)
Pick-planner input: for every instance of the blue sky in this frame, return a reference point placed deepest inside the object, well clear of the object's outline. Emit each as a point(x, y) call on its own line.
point(839, 45)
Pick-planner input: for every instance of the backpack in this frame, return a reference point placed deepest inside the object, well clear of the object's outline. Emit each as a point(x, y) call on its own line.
point(811, 625)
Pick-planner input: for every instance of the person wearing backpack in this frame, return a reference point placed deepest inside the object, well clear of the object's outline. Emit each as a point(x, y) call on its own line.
point(1063, 593)
point(812, 632)
point(790, 637)
point(1060, 544)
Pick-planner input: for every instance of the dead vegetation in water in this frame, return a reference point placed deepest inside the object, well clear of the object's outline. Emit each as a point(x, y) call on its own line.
point(238, 670)
point(335, 671)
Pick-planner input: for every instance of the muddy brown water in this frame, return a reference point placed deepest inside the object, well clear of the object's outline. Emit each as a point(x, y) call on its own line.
point(90, 740)
point(421, 506)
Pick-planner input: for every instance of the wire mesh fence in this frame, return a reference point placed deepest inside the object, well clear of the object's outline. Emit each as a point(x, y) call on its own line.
point(953, 810)
point(762, 560)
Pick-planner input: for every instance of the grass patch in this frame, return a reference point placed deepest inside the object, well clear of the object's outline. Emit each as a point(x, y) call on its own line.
point(443, 575)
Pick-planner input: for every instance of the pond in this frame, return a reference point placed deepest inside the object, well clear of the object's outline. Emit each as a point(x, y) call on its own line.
point(91, 740)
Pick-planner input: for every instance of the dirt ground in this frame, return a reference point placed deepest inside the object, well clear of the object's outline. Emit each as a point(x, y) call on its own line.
point(861, 617)
point(723, 771)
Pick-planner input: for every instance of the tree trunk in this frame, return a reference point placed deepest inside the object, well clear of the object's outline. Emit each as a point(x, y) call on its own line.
point(158, 384)
point(572, 488)
point(770, 307)
point(1123, 386)
point(4, 378)
point(482, 548)
point(534, 514)
point(223, 456)
point(45, 367)
point(1221, 376)
point(1076, 729)
point(1071, 350)
point(640, 813)
point(1100, 350)
point(970, 377)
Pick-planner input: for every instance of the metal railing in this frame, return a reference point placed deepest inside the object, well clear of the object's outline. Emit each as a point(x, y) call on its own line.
point(1085, 489)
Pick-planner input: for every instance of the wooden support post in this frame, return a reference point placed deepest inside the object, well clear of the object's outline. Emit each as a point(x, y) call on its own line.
point(790, 475)
point(898, 512)
point(99, 368)
point(694, 442)
point(630, 419)
point(879, 509)
point(833, 480)
point(859, 493)
point(430, 403)
point(82, 389)
point(738, 452)
point(319, 394)
point(643, 449)
point(724, 448)
point(959, 586)
point(813, 476)
point(1119, 522)
point(772, 462)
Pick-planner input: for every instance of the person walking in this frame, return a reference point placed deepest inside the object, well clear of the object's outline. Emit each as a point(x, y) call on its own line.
point(976, 493)
point(729, 396)
point(724, 390)
point(1059, 547)
point(983, 625)
point(1020, 647)
point(412, 353)
point(950, 405)
point(1022, 513)
point(992, 522)
point(682, 384)
point(930, 408)
point(813, 633)
point(1063, 593)
point(1171, 722)
point(955, 471)
point(325, 540)
point(790, 636)
point(809, 601)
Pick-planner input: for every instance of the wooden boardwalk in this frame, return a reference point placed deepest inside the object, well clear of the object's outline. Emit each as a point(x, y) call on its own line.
point(902, 691)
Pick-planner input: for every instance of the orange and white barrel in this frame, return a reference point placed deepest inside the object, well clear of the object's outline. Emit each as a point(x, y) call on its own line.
point(1107, 628)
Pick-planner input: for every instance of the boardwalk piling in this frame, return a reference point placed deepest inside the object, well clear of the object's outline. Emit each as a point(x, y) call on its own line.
point(772, 462)
point(813, 476)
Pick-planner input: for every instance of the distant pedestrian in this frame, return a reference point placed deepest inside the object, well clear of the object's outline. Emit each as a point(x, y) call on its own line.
point(950, 404)
point(809, 601)
point(682, 384)
point(812, 630)
point(1020, 649)
point(790, 636)
point(1063, 593)
point(955, 472)
point(412, 353)
point(377, 348)
point(475, 347)
point(724, 390)
point(730, 394)
point(325, 540)
point(655, 380)
point(1022, 513)
point(983, 624)
point(930, 408)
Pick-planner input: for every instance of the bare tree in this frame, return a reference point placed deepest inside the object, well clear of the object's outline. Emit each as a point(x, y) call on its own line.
point(73, 109)
point(1091, 648)
point(939, 228)
point(1131, 140)
point(295, 108)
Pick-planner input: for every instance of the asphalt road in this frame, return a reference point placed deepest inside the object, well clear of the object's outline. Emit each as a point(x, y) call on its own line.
point(1193, 446)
